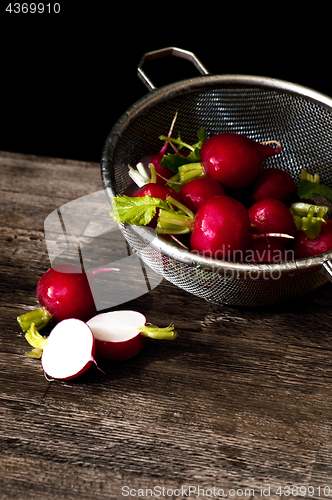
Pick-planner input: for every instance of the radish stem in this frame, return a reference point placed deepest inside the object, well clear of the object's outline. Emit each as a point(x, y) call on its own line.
point(39, 317)
point(154, 332)
point(256, 236)
point(153, 177)
point(139, 175)
point(180, 206)
point(309, 177)
point(309, 218)
point(176, 141)
point(278, 144)
point(190, 171)
point(163, 149)
point(170, 222)
point(35, 340)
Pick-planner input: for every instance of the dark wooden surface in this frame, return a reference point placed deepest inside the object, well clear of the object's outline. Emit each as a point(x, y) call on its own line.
point(240, 402)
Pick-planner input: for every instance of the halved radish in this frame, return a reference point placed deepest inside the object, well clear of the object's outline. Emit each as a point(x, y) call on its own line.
point(121, 334)
point(67, 352)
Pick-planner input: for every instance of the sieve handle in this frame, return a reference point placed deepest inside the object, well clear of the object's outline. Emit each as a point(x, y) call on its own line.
point(327, 269)
point(169, 51)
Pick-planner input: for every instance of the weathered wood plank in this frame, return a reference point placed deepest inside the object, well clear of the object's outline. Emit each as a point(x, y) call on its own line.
point(51, 177)
point(136, 447)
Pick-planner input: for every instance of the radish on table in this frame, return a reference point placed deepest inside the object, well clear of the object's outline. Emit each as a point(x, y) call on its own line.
point(67, 352)
point(63, 292)
point(72, 345)
point(121, 334)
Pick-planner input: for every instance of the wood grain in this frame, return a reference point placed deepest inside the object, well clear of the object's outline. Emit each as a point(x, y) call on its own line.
point(241, 401)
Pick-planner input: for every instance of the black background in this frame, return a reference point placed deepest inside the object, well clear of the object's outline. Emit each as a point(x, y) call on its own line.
point(67, 78)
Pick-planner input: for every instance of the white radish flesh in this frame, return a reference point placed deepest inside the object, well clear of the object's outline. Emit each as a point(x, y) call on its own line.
point(69, 350)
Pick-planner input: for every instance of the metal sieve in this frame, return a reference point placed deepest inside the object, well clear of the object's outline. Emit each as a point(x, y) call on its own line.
point(258, 107)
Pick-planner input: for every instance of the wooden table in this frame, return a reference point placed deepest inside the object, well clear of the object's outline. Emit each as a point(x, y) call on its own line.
point(240, 404)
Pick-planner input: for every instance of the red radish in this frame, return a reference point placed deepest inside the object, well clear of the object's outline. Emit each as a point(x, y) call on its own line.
point(121, 335)
point(67, 352)
point(267, 250)
point(307, 247)
point(271, 216)
point(63, 292)
point(273, 183)
point(221, 229)
point(158, 191)
point(196, 191)
point(232, 159)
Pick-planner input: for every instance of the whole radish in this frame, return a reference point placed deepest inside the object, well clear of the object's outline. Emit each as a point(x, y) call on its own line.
point(67, 352)
point(271, 216)
point(120, 335)
point(64, 291)
point(273, 183)
point(234, 160)
point(304, 246)
point(196, 191)
point(221, 229)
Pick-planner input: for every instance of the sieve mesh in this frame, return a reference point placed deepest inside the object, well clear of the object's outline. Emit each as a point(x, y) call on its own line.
point(261, 109)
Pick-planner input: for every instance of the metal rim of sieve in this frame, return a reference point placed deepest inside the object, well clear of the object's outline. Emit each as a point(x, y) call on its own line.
point(322, 262)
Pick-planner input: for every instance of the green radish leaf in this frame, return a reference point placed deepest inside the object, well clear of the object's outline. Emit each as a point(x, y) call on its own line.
point(138, 211)
point(308, 189)
point(201, 136)
point(174, 161)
